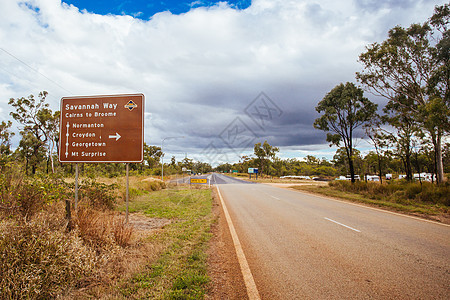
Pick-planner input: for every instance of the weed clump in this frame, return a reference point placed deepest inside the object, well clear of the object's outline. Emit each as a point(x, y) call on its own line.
point(101, 229)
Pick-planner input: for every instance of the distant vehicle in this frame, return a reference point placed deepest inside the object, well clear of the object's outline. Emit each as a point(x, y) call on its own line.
point(320, 179)
point(349, 177)
point(341, 178)
point(296, 177)
point(388, 176)
point(372, 178)
point(425, 177)
point(401, 176)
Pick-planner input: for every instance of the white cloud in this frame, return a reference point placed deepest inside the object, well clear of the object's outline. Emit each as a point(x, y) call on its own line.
point(198, 70)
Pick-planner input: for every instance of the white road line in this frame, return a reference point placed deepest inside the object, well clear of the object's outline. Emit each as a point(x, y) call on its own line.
point(275, 197)
point(252, 291)
point(342, 224)
point(373, 208)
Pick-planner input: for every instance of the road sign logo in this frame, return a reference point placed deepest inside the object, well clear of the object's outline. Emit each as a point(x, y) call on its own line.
point(130, 105)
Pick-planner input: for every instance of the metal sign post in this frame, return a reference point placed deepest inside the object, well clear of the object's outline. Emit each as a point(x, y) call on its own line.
point(76, 187)
point(126, 214)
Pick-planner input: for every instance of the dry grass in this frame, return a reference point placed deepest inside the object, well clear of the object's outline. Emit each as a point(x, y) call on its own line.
point(39, 263)
point(94, 227)
point(122, 232)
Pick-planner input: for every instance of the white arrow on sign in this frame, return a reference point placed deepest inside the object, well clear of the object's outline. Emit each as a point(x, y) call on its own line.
point(116, 136)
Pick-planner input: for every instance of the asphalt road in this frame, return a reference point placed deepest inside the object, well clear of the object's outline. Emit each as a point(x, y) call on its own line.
point(301, 246)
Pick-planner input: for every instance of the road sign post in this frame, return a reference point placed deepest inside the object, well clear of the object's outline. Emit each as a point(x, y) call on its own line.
point(102, 129)
point(253, 171)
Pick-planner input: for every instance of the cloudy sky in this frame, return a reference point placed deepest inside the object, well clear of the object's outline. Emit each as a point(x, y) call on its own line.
point(224, 75)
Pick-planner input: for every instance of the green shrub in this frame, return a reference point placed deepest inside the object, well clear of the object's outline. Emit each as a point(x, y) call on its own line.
point(22, 196)
point(98, 195)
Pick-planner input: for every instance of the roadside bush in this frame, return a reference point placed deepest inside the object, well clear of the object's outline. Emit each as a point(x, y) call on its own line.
point(98, 195)
point(24, 197)
point(435, 194)
point(399, 191)
point(150, 186)
point(37, 263)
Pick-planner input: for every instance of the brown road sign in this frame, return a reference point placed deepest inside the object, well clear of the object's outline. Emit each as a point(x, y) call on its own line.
point(102, 129)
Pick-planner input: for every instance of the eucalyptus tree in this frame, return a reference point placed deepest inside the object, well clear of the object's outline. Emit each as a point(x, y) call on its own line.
point(378, 139)
point(413, 63)
point(264, 153)
point(5, 141)
point(152, 155)
point(40, 127)
point(343, 110)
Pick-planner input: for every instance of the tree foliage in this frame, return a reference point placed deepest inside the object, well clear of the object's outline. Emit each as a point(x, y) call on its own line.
point(413, 63)
point(264, 154)
point(40, 127)
point(5, 141)
point(344, 109)
point(152, 155)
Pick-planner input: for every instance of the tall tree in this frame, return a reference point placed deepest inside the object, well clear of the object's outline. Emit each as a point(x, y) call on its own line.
point(39, 125)
point(264, 153)
point(378, 139)
point(5, 141)
point(405, 128)
point(414, 63)
point(152, 155)
point(344, 109)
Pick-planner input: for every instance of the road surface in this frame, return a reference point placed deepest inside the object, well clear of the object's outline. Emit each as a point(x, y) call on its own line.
point(300, 246)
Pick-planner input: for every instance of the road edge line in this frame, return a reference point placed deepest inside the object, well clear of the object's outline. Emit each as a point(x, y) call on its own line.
point(252, 291)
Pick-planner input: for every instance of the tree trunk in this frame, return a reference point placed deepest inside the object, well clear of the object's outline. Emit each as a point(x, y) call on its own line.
point(380, 169)
point(51, 157)
point(352, 169)
point(408, 167)
point(439, 164)
point(350, 164)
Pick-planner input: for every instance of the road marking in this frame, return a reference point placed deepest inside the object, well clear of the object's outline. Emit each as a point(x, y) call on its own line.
point(342, 224)
point(252, 291)
point(369, 207)
point(275, 197)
